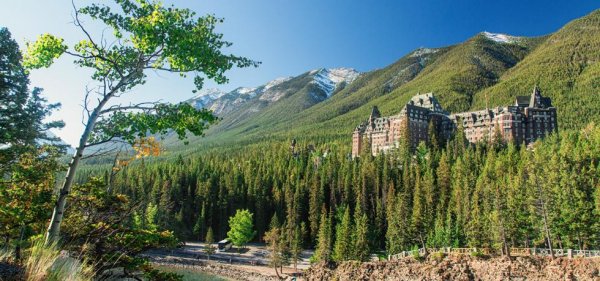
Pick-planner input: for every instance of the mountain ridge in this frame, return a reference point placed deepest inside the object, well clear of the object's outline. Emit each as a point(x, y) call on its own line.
point(221, 102)
point(487, 67)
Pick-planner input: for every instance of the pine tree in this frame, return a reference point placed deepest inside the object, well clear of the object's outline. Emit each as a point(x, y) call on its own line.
point(314, 206)
point(151, 215)
point(433, 137)
point(443, 174)
point(361, 250)
point(323, 250)
point(296, 247)
point(209, 248)
point(199, 225)
point(418, 220)
point(342, 249)
point(274, 244)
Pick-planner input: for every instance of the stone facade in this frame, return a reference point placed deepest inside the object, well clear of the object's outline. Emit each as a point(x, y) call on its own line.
point(530, 118)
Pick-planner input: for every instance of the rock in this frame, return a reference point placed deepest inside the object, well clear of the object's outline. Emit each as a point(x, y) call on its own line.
point(461, 268)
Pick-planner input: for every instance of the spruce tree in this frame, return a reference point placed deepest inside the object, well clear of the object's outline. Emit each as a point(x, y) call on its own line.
point(418, 221)
point(323, 250)
point(342, 249)
point(361, 249)
point(209, 248)
point(274, 245)
point(296, 247)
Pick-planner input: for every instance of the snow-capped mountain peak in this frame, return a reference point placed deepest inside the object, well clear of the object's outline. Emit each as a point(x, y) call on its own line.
point(276, 82)
point(500, 38)
point(245, 91)
point(206, 96)
point(329, 78)
point(211, 92)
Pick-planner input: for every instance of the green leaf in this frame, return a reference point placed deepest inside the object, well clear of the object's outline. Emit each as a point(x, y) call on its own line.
point(43, 51)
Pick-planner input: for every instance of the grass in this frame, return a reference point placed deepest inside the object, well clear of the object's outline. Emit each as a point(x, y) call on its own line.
point(49, 263)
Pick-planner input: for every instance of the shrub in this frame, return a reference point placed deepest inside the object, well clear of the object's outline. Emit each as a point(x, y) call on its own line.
point(415, 253)
point(477, 253)
point(438, 256)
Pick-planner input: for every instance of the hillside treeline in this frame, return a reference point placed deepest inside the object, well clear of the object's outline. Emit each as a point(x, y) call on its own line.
point(449, 194)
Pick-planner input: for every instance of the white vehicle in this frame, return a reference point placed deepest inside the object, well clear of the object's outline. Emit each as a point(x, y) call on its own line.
point(223, 245)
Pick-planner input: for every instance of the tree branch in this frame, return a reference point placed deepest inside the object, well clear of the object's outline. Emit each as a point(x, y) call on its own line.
point(140, 106)
point(109, 140)
point(98, 49)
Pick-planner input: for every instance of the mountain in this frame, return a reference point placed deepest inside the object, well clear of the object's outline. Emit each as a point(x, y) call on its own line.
point(565, 66)
point(221, 103)
point(205, 98)
point(489, 68)
point(243, 109)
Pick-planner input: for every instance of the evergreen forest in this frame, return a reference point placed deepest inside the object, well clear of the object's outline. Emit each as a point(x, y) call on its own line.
point(446, 194)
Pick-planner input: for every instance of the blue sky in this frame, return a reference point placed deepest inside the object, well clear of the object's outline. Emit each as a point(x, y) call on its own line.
point(291, 37)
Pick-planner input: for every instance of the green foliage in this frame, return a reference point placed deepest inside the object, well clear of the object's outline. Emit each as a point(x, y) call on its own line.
point(130, 126)
point(27, 167)
point(152, 37)
point(277, 248)
point(361, 247)
point(296, 245)
point(342, 249)
point(241, 228)
point(477, 254)
point(25, 195)
point(184, 42)
point(324, 243)
point(457, 196)
point(209, 248)
point(150, 219)
point(43, 51)
point(415, 253)
point(23, 112)
point(97, 227)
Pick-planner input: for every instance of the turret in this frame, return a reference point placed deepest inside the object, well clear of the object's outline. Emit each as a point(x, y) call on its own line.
point(374, 115)
point(536, 98)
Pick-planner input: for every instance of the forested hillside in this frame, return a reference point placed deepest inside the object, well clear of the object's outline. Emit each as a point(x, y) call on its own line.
point(566, 68)
point(489, 195)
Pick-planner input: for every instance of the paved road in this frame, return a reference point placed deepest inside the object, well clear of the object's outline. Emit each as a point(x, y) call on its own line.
point(253, 254)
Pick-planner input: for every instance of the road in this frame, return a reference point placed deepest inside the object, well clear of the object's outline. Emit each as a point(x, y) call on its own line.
point(252, 254)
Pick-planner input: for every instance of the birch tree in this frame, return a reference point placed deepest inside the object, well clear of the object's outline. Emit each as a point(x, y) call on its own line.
point(147, 36)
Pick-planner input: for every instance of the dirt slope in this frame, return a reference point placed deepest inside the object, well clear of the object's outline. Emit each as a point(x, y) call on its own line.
point(461, 268)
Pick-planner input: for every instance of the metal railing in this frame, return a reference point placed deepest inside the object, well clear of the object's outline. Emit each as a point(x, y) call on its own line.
point(489, 251)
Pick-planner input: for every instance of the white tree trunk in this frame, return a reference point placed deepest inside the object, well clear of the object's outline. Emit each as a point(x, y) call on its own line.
point(57, 215)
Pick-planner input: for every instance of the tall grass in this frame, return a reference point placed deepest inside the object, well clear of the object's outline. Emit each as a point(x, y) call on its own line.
point(6, 254)
point(51, 264)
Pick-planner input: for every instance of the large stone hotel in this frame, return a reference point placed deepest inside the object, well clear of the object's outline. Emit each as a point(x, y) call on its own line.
point(530, 118)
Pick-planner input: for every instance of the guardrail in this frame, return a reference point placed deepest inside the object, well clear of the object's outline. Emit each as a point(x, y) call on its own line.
point(489, 251)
